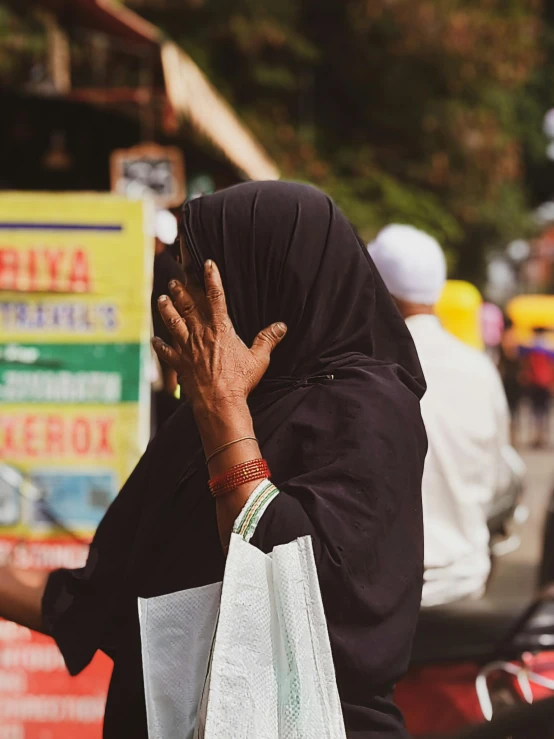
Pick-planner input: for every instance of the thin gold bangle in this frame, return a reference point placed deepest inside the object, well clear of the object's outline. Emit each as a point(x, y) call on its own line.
point(226, 446)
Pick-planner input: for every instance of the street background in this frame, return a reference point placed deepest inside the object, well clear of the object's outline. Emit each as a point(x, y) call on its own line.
point(517, 572)
point(433, 113)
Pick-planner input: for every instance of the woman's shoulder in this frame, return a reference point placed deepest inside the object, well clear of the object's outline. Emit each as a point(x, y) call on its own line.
point(370, 387)
point(369, 407)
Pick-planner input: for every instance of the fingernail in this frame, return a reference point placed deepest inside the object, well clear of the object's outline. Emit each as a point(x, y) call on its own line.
point(209, 265)
point(173, 284)
point(163, 299)
point(280, 329)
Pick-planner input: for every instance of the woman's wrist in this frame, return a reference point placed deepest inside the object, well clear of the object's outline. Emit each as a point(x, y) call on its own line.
point(222, 424)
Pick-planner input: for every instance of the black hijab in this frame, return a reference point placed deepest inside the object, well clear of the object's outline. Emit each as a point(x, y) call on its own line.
point(338, 419)
point(287, 253)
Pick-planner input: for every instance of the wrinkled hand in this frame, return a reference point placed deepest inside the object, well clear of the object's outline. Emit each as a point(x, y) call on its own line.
point(213, 365)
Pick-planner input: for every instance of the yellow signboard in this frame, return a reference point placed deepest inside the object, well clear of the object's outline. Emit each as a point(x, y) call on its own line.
point(73, 269)
point(75, 283)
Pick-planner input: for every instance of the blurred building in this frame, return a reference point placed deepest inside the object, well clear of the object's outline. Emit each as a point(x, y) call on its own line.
point(82, 78)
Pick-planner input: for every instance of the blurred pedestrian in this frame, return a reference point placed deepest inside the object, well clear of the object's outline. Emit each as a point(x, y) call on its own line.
point(538, 378)
point(492, 329)
point(509, 365)
point(466, 417)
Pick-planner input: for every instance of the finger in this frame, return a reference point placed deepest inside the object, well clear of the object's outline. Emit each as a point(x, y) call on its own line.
point(266, 341)
point(174, 322)
point(165, 352)
point(184, 302)
point(215, 294)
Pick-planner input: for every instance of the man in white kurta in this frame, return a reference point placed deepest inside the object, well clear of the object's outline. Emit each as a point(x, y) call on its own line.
point(466, 416)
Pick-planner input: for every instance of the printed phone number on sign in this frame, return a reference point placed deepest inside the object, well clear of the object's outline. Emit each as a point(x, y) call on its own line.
point(80, 709)
point(44, 386)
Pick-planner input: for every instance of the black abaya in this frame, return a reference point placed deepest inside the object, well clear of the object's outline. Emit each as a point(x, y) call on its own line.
point(338, 420)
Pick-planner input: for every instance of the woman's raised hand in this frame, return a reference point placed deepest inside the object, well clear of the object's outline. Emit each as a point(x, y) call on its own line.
point(213, 365)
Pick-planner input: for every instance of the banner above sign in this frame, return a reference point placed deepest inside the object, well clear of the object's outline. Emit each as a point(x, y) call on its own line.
point(149, 171)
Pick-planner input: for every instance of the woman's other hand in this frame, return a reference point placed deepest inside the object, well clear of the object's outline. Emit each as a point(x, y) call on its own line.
point(213, 365)
point(21, 593)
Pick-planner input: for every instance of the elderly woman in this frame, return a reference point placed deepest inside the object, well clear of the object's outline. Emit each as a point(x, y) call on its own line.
point(274, 270)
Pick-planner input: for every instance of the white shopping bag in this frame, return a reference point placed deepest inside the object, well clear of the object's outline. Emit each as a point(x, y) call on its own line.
point(269, 673)
point(177, 632)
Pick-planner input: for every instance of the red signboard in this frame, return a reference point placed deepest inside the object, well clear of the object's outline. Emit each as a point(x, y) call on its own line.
point(38, 697)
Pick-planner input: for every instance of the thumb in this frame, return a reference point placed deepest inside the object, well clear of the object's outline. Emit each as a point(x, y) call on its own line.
point(266, 341)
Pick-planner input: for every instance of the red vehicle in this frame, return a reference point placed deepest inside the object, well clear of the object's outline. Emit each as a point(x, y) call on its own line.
point(520, 722)
point(472, 658)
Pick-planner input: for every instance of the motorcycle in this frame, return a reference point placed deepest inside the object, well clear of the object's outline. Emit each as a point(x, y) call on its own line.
point(472, 658)
point(507, 511)
point(520, 722)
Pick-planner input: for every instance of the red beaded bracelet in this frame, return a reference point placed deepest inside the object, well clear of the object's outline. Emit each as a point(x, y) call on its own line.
point(240, 474)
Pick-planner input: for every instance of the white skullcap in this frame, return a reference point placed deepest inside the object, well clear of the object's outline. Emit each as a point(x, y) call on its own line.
point(411, 263)
point(165, 227)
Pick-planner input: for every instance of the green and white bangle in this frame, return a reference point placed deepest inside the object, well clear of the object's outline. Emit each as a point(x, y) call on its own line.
point(255, 507)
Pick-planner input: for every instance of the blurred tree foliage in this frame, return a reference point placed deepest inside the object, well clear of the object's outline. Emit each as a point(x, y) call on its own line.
point(420, 111)
point(22, 47)
point(536, 100)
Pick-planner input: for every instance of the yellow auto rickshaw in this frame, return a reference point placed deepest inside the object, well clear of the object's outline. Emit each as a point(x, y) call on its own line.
point(530, 312)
